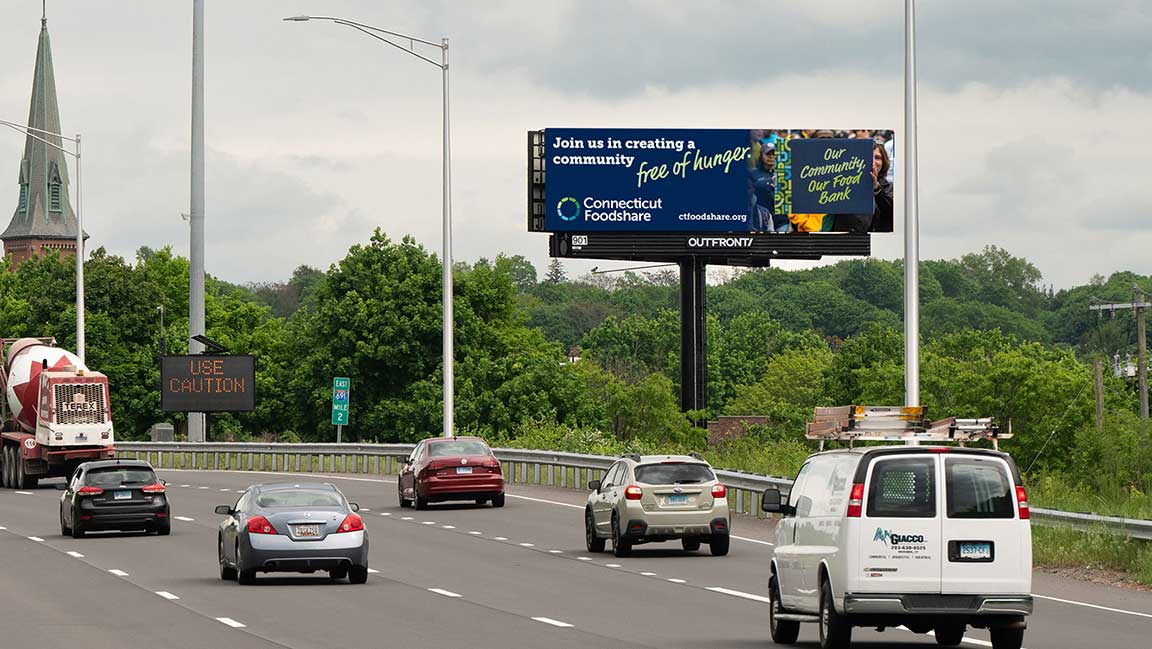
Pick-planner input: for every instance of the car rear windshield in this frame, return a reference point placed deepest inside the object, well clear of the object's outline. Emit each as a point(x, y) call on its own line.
point(118, 476)
point(978, 488)
point(300, 498)
point(674, 473)
point(903, 488)
point(457, 448)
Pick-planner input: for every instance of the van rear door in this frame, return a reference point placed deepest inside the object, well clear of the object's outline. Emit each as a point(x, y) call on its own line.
point(988, 547)
point(900, 534)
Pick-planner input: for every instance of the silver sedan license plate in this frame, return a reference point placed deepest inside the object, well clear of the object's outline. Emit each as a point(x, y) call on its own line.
point(305, 531)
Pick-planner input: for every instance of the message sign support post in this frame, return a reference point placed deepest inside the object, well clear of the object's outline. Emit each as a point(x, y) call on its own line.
point(693, 335)
point(341, 386)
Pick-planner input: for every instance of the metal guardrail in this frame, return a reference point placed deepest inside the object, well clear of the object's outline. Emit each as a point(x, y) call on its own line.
point(522, 466)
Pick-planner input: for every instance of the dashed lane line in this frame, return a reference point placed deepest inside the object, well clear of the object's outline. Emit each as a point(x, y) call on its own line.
point(738, 593)
point(678, 581)
point(230, 622)
point(184, 518)
point(36, 539)
point(446, 593)
point(166, 595)
point(548, 620)
point(118, 573)
point(74, 554)
point(25, 493)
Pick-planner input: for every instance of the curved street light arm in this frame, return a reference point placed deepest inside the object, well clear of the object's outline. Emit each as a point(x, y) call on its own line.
point(24, 130)
point(375, 29)
point(37, 130)
point(406, 50)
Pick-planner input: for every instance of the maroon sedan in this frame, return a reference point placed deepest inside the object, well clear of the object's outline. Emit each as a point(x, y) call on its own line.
point(451, 468)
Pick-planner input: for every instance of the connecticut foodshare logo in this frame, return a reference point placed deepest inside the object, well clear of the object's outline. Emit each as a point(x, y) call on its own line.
point(568, 208)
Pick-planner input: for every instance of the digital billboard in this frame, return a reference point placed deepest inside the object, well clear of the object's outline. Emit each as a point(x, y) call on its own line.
point(777, 181)
point(205, 383)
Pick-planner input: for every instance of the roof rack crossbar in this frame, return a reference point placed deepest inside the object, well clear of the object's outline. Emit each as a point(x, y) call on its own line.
point(898, 423)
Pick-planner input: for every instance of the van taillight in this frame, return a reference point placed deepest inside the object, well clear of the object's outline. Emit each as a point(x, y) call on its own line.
point(856, 501)
point(633, 493)
point(260, 525)
point(1022, 503)
point(719, 491)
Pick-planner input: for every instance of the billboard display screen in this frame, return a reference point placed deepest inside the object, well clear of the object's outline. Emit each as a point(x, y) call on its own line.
point(204, 383)
point(717, 180)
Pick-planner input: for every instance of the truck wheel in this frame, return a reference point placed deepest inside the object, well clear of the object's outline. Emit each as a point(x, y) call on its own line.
point(835, 631)
point(23, 481)
point(1007, 638)
point(6, 467)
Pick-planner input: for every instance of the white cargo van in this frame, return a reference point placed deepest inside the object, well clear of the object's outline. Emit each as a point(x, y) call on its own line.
point(932, 538)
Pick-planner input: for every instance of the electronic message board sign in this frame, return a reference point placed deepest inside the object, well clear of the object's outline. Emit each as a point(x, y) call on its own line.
point(712, 181)
point(206, 383)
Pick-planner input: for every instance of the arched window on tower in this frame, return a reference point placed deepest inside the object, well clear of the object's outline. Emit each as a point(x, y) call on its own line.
point(54, 201)
point(23, 198)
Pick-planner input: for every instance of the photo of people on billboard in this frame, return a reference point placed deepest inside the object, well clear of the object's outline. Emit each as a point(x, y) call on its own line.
point(776, 181)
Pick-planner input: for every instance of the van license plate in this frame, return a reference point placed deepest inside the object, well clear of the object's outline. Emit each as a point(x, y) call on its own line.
point(463, 469)
point(972, 551)
point(679, 499)
point(122, 495)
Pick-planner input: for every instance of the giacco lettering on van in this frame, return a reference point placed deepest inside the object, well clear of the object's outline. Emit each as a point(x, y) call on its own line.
point(894, 539)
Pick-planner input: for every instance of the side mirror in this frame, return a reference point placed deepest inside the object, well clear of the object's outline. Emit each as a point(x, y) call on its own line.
point(773, 503)
point(224, 510)
point(164, 482)
point(594, 485)
point(354, 507)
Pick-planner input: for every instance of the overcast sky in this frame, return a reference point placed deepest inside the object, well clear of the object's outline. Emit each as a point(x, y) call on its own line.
point(1035, 116)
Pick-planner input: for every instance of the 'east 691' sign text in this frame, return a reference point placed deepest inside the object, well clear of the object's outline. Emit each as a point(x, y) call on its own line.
point(207, 383)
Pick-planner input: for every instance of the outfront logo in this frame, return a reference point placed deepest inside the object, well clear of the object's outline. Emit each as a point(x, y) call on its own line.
point(568, 208)
point(893, 539)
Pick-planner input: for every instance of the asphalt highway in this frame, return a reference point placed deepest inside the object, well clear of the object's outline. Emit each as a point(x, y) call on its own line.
point(453, 576)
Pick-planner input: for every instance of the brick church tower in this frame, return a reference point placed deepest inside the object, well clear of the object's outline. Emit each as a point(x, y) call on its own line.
point(44, 219)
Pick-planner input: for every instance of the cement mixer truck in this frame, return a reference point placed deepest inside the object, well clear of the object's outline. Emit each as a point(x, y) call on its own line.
point(54, 414)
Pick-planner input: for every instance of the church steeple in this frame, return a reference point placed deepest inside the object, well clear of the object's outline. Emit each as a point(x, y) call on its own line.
point(44, 218)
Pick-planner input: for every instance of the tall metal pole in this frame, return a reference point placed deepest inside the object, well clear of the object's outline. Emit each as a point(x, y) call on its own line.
point(1098, 370)
point(196, 432)
point(449, 371)
point(1142, 348)
point(911, 219)
point(79, 256)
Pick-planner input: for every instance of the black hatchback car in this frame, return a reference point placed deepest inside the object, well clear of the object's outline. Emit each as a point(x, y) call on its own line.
point(114, 495)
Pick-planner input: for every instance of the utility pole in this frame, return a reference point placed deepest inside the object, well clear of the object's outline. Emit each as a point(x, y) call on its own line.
point(1099, 395)
point(1137, 305)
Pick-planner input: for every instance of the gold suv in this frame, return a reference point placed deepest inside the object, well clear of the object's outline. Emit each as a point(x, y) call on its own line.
point(649, 498)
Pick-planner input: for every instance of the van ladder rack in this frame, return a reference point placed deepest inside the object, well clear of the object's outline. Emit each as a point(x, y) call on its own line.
point(899, 424)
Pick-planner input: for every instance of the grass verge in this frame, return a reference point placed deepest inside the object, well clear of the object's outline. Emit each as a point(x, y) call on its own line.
point(1062, 547)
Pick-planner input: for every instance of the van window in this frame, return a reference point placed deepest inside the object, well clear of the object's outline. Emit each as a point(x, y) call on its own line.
point(977, 488)
point(903, 488)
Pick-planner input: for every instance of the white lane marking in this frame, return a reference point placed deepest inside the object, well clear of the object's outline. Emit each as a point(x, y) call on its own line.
point(373, 571)
point(166, 595)
point(3, 528)
point(385, 513)
point(446, 593)
point(448, 527)
point(677, 581)
point(225, 489)
point(239, 491)
point(405, 518)
point(428, 522)
point(36, 539)
point(556, 552)
point(475, 533)
point(230, 622)
point(500, 538)
point(527, 545)
point(365, 509)
point(737, 593)
point(75, 554)
point(612, 565)
point(118, 573)
point(548, 620)
point(648, 574)
point(185, 485)
point(25, 493)
point(744, 538)
point(979, 643)
point(550, 502)
point(584, 558)
point(1102, 608)
point(184, 518)
point(201, 487)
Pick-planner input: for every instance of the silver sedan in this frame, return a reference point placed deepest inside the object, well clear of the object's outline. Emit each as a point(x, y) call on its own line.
point(292, 527)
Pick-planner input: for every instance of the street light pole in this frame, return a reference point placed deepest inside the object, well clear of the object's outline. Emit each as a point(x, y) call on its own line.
point(31, 132)
point(446, 288)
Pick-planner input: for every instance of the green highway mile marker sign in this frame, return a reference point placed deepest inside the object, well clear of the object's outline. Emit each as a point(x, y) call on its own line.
point(340, 388)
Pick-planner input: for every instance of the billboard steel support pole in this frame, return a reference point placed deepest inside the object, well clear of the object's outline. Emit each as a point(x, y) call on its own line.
point(693, 335)
point(911, 219)
point(196, 420)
